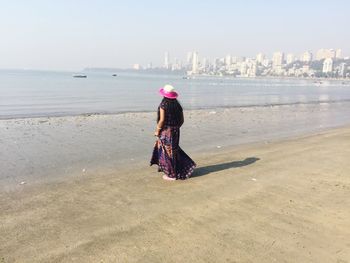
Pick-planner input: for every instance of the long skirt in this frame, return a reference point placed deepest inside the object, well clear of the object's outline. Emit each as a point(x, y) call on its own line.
point(169, 157)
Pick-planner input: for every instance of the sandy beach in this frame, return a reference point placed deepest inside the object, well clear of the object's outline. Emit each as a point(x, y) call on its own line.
point(285, 201)
point(174, 132)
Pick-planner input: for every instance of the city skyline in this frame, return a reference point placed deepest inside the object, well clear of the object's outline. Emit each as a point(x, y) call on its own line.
point(307, 55)
point(328, 63)
point(70, 35)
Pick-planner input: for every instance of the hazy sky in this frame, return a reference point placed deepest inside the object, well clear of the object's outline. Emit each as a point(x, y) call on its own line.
point(73, 34)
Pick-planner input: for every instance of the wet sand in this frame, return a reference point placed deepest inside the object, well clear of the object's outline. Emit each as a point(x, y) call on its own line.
point(42, 150)
point(285, 201)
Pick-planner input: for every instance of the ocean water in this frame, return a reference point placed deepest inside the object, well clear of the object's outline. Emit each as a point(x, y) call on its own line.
point(40, 93)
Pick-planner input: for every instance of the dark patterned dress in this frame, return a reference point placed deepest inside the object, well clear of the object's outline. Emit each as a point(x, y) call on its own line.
point(168, 155)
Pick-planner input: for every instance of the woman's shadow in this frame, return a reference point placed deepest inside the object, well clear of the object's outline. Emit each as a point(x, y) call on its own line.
point(223, 166)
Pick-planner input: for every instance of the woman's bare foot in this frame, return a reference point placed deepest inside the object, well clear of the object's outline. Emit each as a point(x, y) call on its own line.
point(165, 177)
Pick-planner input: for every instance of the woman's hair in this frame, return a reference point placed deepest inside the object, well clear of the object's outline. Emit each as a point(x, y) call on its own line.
point(172, 107)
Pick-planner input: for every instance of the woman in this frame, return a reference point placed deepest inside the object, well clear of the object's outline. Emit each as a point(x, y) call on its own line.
point(167, 154)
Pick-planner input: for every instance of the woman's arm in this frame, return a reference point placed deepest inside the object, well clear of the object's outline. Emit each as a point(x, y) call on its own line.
point(160, 122)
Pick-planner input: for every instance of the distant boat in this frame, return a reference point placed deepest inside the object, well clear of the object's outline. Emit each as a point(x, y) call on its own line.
point(79, 76)
point(114, 75)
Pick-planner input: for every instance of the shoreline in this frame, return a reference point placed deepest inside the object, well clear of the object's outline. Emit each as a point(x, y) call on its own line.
point(102, 170)
point(39, 150)
point(198, 154)
point(88, 114)
point(284, 201)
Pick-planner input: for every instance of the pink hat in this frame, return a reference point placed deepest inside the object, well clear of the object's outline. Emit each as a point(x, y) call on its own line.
point(168, 91)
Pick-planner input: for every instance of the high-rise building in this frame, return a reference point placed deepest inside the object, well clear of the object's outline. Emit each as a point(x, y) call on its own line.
point(195, 63)
point(290, 58)
point(244, 69)
point(331, 53)
point(306, 57)
point(321, 54)
point(266, 62)
point(260, 58)
point(136, 66)
point(228, 61)
point(176, 65)
point(327, 65)
point(166, 60)
point(189, 58)
point(277, 60)
point(252, 67)
point(342, 70)
point(234, 59)
point(205, 64)
point(325, 53)
point(338, 53)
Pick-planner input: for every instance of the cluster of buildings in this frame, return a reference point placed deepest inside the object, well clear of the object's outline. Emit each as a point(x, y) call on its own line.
point(327, 63)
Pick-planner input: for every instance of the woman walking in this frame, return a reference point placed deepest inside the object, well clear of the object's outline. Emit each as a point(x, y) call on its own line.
point(167, 154)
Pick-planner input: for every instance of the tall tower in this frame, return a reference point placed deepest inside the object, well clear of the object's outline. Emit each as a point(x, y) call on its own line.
point(277, 60)
point(290, 58)
point(342, 70)
point(205, 64)
point(228, 61)
point(306, 57)
point(166, 60)
point(195, 63)
point(189, 58)
point(325, 53)
point(327, 65)
point(338, 53)
point(260, 58)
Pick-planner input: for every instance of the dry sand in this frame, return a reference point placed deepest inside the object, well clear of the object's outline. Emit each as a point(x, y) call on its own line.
point(285, 201)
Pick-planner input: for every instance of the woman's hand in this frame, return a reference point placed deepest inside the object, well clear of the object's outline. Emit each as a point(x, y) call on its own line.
point(156, 133)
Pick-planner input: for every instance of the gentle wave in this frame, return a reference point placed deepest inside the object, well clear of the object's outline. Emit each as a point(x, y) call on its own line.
point(72, 113)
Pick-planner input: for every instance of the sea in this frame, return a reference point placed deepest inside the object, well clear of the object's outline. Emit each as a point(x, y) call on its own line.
point(27, 93)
